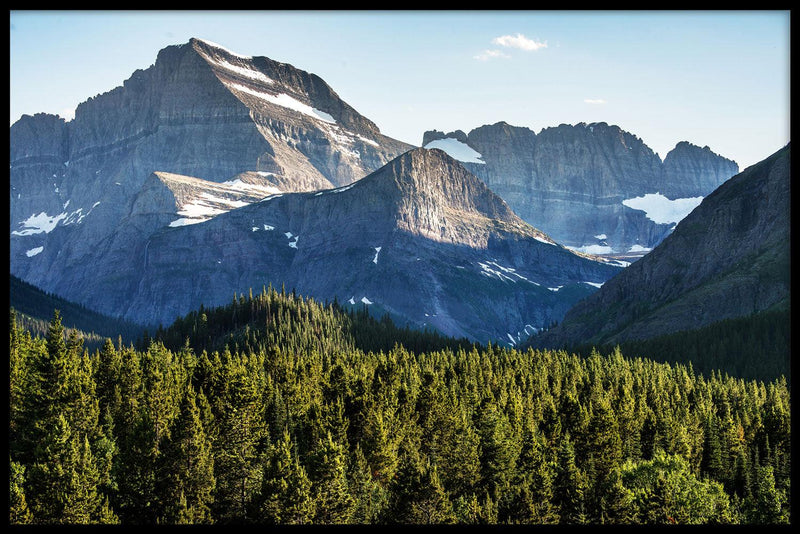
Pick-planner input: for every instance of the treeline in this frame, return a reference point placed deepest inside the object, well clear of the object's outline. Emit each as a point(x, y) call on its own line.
point(253, 322)
point(289, 421)
point(755, 347)
point(35, 309)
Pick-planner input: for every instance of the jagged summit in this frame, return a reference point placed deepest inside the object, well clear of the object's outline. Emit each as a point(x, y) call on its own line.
point(593, 187)
point(262, 83)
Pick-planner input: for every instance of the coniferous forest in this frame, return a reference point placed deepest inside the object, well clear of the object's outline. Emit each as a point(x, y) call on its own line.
point(277, 409)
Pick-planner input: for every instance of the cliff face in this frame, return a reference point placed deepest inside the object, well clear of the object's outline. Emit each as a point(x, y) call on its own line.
point(420, 239)
point(572, 181)
point(690, 170)
point(728, 258)
point(199, 111)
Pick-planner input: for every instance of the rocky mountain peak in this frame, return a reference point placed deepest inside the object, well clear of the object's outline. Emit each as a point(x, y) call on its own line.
point(437, 196)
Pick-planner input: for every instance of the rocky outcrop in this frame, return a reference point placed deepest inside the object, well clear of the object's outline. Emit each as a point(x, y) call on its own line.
point(573, 181)
point(420, 239)
point(728, 258)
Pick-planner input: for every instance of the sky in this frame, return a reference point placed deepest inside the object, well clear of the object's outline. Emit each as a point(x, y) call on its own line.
point(714, 78)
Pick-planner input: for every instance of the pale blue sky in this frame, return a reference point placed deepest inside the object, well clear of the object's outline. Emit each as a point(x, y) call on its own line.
point(716, 78)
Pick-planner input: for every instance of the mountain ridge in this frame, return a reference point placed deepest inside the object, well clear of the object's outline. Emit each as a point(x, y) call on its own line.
point(726, 259)
point(390, 241)
point(592, 187)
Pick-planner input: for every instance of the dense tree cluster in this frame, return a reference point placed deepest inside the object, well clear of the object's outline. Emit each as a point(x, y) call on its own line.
point(277, 409)
point(752, 347)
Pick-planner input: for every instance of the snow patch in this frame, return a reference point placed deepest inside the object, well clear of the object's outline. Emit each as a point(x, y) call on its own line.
point(365, 300)
point(368, 141)
point(268, 227)
point(42, 222)
point(456, 150)
point(352, 300)
point(544, 240)
point(186, 221)
point(595, 284)
point(215, 45)
point(251, 73)
point(601, 236)
point(375, 259)
point(34, 251)
point(239, 185)
point(639, 248)
point(286, 101)
point(593, 249)
point(555, 288)
point(343, 189)
point(662, 210)
point(492, 268)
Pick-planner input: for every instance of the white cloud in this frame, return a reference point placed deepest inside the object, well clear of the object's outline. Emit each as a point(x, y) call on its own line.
point(518, 41)
point(489, 54)
point(594, 101)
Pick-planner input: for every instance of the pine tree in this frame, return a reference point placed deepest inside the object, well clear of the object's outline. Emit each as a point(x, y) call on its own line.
point(330, 491)
point(18, 511)
point(369, 496)
point(188, 466)
point(569, 486)
point(769, 504)
point(416, 495)
point(240, 430)
point(285, 496)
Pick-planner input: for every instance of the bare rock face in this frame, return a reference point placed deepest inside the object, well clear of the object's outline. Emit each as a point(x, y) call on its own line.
point(420, 239)
point(579, 183)
point(690, 170)
point(200, 111)
point(728, 258)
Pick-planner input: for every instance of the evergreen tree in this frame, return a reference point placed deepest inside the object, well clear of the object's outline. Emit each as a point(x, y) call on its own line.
point(570, 486)
point(369, 496)
point(18, 511)
point(286, 490)
point(188, 467)
point(330, 491)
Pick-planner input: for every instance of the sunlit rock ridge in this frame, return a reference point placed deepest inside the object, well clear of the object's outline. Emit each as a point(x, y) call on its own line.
point(421, 239)
point(593, 187)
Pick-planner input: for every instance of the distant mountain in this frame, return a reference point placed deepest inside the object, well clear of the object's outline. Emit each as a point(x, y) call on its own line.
point(236, 128)
point(421, 239)
point(727, 259)
point(593, 187)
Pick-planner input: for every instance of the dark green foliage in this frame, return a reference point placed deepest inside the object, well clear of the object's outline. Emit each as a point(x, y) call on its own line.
point(756, 347)
point(34, 309)
point(272, 411)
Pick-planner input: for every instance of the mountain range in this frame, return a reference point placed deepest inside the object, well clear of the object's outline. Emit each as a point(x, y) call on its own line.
point(592, 187)
point(211, 173)
point(729, 258)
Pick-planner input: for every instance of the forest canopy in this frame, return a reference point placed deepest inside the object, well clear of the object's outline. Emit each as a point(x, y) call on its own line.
point(277, 409)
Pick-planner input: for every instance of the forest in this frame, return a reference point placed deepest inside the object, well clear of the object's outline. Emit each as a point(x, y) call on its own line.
point(278, 409)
